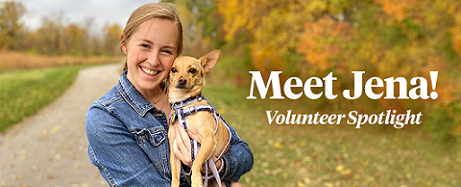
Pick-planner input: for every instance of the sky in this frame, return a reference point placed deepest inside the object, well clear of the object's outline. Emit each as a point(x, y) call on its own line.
point(76, 11)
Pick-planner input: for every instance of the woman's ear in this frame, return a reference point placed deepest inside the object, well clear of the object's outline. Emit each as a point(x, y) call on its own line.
point(123, 44)
point(124, 49)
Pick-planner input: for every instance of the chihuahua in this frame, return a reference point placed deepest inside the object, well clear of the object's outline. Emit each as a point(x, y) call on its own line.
point(185, 84)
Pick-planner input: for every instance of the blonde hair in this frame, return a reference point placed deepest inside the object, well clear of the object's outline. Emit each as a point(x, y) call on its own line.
point(149, 11)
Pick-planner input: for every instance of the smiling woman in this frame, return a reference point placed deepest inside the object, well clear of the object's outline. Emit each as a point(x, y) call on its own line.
point(127, 128)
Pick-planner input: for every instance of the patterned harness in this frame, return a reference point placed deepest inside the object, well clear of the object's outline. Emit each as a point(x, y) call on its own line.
point(179, 113)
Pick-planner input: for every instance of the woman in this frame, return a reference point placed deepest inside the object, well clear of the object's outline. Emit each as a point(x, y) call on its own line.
point(127, 128)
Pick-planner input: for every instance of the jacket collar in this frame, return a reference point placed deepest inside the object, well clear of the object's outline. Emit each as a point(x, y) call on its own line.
point(132, 96)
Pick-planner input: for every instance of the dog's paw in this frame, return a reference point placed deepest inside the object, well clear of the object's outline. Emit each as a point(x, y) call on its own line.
point(175, 183)
point(197, 181)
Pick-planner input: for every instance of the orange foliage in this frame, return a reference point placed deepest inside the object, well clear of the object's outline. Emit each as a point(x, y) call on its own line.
point(456, 38)
point(397, 8)
point(322, 42)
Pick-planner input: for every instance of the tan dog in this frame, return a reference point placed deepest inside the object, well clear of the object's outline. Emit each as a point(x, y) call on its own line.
point(186, 81)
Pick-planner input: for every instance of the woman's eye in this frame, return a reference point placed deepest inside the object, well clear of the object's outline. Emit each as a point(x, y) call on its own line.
point(174, 70)
point(192, 70)
point(167, 52)
point(145, 46)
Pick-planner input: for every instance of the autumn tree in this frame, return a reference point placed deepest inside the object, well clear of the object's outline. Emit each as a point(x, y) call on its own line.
point(272, 28)
point(112, 35)
point(10, 25)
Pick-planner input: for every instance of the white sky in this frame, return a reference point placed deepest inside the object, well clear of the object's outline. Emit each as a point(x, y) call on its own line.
point(76, 11)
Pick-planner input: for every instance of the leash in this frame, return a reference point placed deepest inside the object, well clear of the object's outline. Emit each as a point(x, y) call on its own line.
point(180, 113)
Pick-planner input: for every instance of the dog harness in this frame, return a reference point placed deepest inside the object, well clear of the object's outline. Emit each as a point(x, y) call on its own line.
point(179, 113)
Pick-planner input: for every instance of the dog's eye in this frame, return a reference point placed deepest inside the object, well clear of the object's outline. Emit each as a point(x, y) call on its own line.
point(174, 70)
point(192, 70)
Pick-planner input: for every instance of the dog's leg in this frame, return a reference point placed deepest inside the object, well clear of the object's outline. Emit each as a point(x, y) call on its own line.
point(175, 163)
point(208, 145)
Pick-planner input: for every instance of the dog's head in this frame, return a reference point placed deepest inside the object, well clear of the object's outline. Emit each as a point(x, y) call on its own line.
point(187, 74)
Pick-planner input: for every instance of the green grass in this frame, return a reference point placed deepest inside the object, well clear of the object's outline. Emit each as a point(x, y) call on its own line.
point(333, 155)
point(24, 92)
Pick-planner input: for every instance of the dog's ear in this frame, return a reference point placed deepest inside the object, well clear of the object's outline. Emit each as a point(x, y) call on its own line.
point(209, 60)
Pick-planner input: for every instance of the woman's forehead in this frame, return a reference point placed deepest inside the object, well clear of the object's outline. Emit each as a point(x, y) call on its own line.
point(157, 30)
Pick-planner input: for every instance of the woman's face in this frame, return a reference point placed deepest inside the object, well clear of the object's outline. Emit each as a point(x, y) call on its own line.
point(150, 52)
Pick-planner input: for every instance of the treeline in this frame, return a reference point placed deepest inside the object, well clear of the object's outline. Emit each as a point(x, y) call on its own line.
point(386, 38)
point(54, 37)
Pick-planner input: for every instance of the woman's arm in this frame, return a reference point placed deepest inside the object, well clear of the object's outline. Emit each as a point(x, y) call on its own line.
point(238, 160)
point(114, 150)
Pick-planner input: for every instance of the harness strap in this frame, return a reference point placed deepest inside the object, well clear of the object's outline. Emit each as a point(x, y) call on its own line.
point(181, 114)
point(188, 101)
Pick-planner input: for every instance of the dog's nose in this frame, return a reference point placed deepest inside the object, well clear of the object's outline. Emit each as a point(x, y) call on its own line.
point(182, 81)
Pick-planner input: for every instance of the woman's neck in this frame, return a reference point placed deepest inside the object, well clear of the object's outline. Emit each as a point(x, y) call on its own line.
point(159, 99)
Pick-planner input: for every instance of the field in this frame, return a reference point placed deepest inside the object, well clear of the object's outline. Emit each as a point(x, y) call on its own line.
point(333, 155)
point(11, 60)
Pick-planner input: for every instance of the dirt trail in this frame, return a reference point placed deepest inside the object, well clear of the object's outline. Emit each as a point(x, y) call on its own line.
point(50, 148)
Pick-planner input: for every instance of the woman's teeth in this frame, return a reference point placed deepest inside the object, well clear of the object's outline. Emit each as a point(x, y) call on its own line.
point(149, 72)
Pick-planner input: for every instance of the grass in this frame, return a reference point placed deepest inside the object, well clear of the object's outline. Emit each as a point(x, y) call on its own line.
point(333, 155)
point(24, 92)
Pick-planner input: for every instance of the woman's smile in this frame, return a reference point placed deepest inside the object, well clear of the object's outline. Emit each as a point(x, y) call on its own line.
point(149, 72)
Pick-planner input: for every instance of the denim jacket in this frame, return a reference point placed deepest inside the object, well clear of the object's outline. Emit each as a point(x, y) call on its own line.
point(128, 141)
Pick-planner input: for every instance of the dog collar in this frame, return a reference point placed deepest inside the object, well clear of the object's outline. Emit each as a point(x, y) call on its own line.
point(188, 101)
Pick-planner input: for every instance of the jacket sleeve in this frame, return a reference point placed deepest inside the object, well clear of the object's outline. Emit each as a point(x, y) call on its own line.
point(238, 160)
point(114, 150)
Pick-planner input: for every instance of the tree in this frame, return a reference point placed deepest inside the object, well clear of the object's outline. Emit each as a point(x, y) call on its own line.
point(112, 35)
point(10, 26)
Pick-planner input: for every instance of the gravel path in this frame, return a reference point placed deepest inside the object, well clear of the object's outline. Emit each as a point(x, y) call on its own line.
point(50, 148)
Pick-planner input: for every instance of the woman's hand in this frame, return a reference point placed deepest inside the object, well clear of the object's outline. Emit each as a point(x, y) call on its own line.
point(182, 147)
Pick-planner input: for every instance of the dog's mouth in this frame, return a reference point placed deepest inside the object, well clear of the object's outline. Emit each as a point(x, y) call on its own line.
point(149, 71)
point(181, 86)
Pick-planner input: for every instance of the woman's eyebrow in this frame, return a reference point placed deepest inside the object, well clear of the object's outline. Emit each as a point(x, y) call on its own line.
point(150, 42)
point(146, 40)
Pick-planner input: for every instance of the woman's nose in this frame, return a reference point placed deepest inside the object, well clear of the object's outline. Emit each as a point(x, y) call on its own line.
point(153, 58)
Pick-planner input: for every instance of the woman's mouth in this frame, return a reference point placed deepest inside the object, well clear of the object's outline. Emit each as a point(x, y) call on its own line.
point(149, 71)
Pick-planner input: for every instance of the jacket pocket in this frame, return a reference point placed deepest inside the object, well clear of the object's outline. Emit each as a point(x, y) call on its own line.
point(154, 143)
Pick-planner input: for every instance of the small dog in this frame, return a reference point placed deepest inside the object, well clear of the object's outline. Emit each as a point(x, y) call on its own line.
point(185, 83)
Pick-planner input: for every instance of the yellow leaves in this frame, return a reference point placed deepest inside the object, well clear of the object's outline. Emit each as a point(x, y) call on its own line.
point(303, 182)
point(357, 176)
point(55, 129)
point(285, 175)
point(278, 145)
point(342, 170)
point(339, 168)
point(301, 143)
point(237, 15)
point(272, 25)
